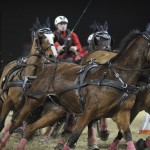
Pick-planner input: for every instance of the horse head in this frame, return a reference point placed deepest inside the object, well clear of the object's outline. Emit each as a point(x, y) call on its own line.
point(44, 38)
point(43, 46)
point(100, 39)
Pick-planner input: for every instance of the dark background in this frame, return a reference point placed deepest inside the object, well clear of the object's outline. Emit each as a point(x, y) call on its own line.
point(18, 17)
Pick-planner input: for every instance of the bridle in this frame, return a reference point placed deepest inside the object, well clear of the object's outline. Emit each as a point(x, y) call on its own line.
point(101, 35)
point(42, 31)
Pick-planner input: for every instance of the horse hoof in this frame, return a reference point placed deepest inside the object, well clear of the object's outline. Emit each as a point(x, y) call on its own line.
point(93, 147)
point(140, 144)
point(104, 135)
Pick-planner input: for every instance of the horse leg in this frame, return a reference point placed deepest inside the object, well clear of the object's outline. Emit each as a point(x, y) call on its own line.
point(52, 131)
point(147, 142)
point(81, 123)
point(6, 136)
point(68, 128)
point(18, 121)
point(49, 118)
point(29, 107)
point(57, 127)
point(70, 123)
point(47, 134)
point(92, 139)
point(128, 138)
point(7, 105)
point(123, 124)
point(103, 132)
point(1, 105)
point(116, 141)
point(8, 126)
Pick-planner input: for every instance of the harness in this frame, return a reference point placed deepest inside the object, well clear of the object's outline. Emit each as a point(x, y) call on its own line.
point(21, 82)
point(39, 94)
point(103, 81)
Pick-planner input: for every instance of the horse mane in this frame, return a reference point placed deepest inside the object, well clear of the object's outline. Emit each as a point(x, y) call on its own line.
point(127, 39)
point(125, 42)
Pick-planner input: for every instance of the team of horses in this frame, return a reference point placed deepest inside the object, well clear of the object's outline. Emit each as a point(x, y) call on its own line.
point(91, 90)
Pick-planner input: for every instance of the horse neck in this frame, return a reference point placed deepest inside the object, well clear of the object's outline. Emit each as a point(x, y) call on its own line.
point(32, 61)
point(133, 56)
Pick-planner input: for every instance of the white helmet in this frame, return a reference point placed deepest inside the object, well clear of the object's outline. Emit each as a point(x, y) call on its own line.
point(60, 19)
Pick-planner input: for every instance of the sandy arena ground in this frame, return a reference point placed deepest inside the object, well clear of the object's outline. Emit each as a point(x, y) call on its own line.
point(82, 142)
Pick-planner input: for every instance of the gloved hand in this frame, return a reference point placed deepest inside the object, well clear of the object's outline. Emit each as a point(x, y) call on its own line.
point(77, 57)
point(60, 48)
point(73, 49)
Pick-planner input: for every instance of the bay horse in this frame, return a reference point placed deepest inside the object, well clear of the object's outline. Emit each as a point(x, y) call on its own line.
point(17, 83)
point(96, 90)
point(142, 103)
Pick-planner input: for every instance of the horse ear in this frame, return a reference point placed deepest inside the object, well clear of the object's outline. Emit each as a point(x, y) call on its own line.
point(98, 27)
point(48, 22)
point(37, 23)
point(148, 28)
point(106, 26)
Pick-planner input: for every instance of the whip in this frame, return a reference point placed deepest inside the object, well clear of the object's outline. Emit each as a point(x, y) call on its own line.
point(89, 3)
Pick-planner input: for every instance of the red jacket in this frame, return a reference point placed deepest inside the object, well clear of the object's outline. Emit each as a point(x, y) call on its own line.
point(74, 42)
